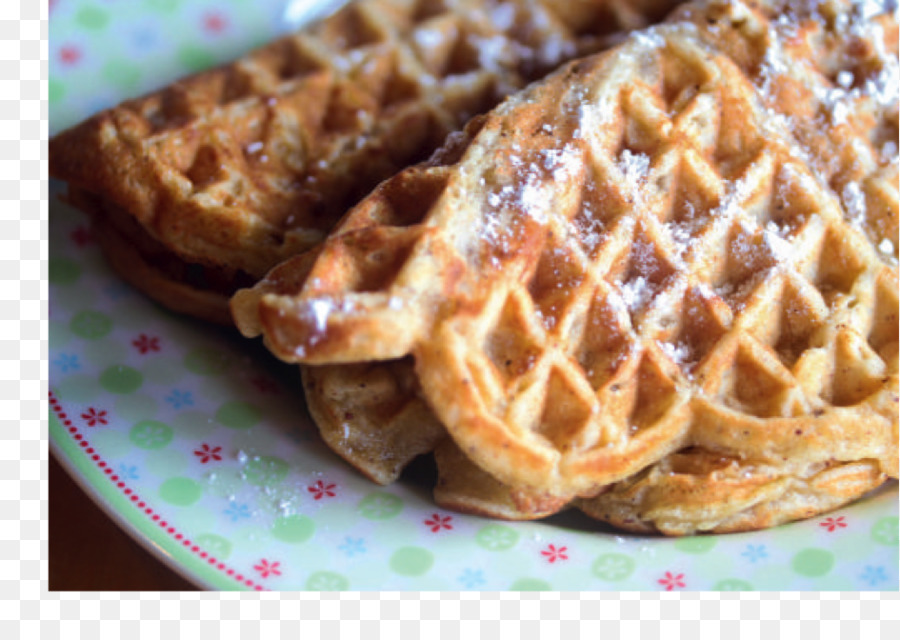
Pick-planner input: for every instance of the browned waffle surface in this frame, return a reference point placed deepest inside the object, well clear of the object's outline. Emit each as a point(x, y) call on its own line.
point(235, 169)
point(464, 486)
point(652, 250)
point(698, 491)
point(372, 416)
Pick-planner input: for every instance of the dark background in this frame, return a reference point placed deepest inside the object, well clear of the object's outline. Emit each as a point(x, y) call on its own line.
point(89, 552)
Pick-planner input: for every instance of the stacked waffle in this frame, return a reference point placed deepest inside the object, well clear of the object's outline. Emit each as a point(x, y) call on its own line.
point(660, 284)
point(202, 187)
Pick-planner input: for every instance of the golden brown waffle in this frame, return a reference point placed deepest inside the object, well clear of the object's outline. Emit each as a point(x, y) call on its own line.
point(372, 416)
point(829, 70)
point(203, 186)
point(695, 491)
point(464, 486)
point(683, 276)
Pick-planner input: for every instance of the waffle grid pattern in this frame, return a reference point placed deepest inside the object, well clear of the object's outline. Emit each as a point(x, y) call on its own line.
point(775, 304)
point(666, 277)
point(240, 167)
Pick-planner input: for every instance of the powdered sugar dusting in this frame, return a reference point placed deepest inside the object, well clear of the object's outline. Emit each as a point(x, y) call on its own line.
point(634, 167)
point(321, 309)
point(530, 190)
point(318, 311)
point(428, 38)
point(780, 248)
point(503, 16)
point(679, 353)
point(636, 293)
point(685, 231)
point(649, 38)
point(589, 226)
point(883, 86)
point(731, 205)
point(855, 203)
point(495, 53)
point(851, 91)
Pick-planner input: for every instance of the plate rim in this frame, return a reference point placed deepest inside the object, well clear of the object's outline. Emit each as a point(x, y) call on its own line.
point(115, 504)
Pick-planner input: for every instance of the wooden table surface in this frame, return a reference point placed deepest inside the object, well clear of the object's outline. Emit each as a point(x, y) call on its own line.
point(89, 552)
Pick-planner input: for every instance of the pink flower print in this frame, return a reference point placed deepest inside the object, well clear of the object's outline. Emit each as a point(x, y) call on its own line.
point(207, 453)
point(267, 568)
point(672, 581)
point(833, 523)
point(552, 553)
point(69, 54)
point(93, 417)
point(438, 522)
point(322, 490)
point(214, 22)
point(144, 343)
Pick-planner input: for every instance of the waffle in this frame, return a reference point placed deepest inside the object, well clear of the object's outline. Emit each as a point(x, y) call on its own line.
point(465, 487)
point(832, 73)
point(202, 187)
point(695, 491)
point(673, 267)
point(372, 415)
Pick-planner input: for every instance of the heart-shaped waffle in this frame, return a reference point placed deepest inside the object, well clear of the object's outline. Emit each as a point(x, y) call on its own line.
point(639, 255)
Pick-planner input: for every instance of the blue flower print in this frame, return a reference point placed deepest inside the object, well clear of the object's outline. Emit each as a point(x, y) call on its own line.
point(353, 546)
point(471, 578)
point(237, 511)
point(67, 362)
point(755, 552)
point(128, 472)
point(179, 399)
point(873, 576)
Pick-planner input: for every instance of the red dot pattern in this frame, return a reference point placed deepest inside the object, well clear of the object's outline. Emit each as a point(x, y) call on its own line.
point(140, 503)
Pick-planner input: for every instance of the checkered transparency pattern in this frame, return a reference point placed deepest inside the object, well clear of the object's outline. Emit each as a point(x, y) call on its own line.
point(560, 615)
point(23, 306)
point(365, 615)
